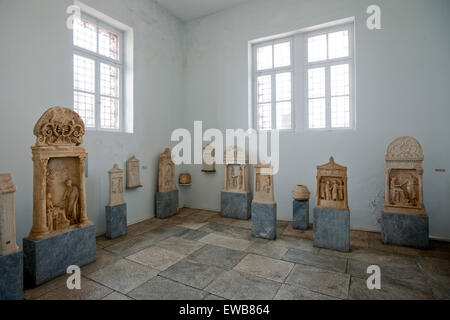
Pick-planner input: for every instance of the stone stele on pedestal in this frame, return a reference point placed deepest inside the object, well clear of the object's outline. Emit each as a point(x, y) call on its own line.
point(264, 207)
point(11, 258)
point(404, 219)
point(116, 210)
point(300, 207)
point(331, 213)
point(62, 235)
point(167, 195)
point(235, 198)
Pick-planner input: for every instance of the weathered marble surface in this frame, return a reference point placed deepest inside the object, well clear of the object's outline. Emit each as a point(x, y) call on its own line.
point(332, 229)
point(49, 258)
point(264, 220)
point(8, 243)
point(236, 205)
point(116, 221)
point(405, 230)
point(11, 276)
point(300, 213)
point(166, 204)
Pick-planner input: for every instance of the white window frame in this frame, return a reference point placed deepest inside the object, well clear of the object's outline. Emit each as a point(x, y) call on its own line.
point(299, 67)
point(327, 64)
point(98, 59)
point(272, 72)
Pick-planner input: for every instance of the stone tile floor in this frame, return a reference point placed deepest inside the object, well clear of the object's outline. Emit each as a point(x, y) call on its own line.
point(197, 254)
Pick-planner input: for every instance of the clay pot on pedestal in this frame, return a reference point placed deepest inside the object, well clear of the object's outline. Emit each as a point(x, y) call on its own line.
point(185, 178)
point(300, 193)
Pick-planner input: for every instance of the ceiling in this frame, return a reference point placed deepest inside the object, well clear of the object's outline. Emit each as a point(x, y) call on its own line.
point(192, 9)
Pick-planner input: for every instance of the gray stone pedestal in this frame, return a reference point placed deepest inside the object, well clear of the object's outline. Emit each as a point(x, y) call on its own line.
point(409, 230)
point(116, 221)
point(235, 205)
point(11, 276)
point(166, 204)
point(300, 214)
point(49, 258)
point(264, 220)
point(332, 229)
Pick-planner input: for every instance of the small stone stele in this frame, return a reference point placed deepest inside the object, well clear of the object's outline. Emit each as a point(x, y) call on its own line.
point(116, 210)
point(209, 164)
point(133, 173)
point(235, 198)
point(167, 195)
point(8, 243)
point(331, 190)
point(264, 207)
point(116, 190)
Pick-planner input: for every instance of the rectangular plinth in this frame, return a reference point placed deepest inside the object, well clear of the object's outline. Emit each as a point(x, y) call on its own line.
point(300, 214)
point(49, 258)
point(11, 276)
point(409, 230)
point(116, 221)
point(235, 205)
point(332, 229)
point(166, 204)
point(264, 220)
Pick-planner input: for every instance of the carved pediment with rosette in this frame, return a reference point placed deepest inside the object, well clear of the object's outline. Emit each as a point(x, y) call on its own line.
point(59, 126)
point(404, 148)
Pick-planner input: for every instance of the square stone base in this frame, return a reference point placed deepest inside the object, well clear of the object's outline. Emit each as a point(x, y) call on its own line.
point(49, 258)
point(300, 214)
point(264, 220)
point(116, 221)
point(409, 230)
point(11, 276)
point(236, 205)
point(332, 229)
point(166, 204)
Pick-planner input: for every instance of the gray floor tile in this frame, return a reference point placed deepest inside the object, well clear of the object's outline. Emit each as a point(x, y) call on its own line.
point(217, 256)
point(227, 230)
point(180, 245)
point(123, 276)
point(238, 286)
point(221, 240)
point(160, 288)
point(293, 292)
point(103, 258)
point(316, 260)
point(265, 267)
point(388, 291)
point(268, 249)
point(89, 291)
point(319, 280)
point(116, 296)
point(156, 257)
point(192, 234)
point(213, 297)
point(194, 274)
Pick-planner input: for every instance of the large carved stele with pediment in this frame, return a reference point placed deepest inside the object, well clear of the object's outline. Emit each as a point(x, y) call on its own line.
point(403, 177)
point(166, 176)
point(59, 196)
point(263, 182)
point(236, 170)
point(331, 192)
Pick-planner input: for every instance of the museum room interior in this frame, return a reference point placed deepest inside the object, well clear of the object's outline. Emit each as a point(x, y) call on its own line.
point(224, 150)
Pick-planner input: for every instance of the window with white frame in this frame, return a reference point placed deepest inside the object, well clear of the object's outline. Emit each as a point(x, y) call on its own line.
point(305, 81)
point(273, 74)
point(98, 74)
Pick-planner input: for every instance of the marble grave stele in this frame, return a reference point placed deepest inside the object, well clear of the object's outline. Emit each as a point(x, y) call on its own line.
point(133, 173)
point(116, 196)
point(8, 243)
point(209, 164)
point(166, 173)
point(263, 184)
point(236, 170)
point(59, 196)
point(331, 190)
point(403, 177)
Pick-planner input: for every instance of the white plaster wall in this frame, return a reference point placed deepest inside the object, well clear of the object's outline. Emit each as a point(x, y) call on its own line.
point(36, 73)
point(402, 88)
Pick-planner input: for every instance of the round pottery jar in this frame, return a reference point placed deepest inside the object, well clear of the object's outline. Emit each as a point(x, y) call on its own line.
point(185, 178)
point(300, 193)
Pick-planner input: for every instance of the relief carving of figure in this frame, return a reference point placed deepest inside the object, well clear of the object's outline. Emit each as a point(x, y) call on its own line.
point(71, 196)
point(331, 186)
point(50, 213)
